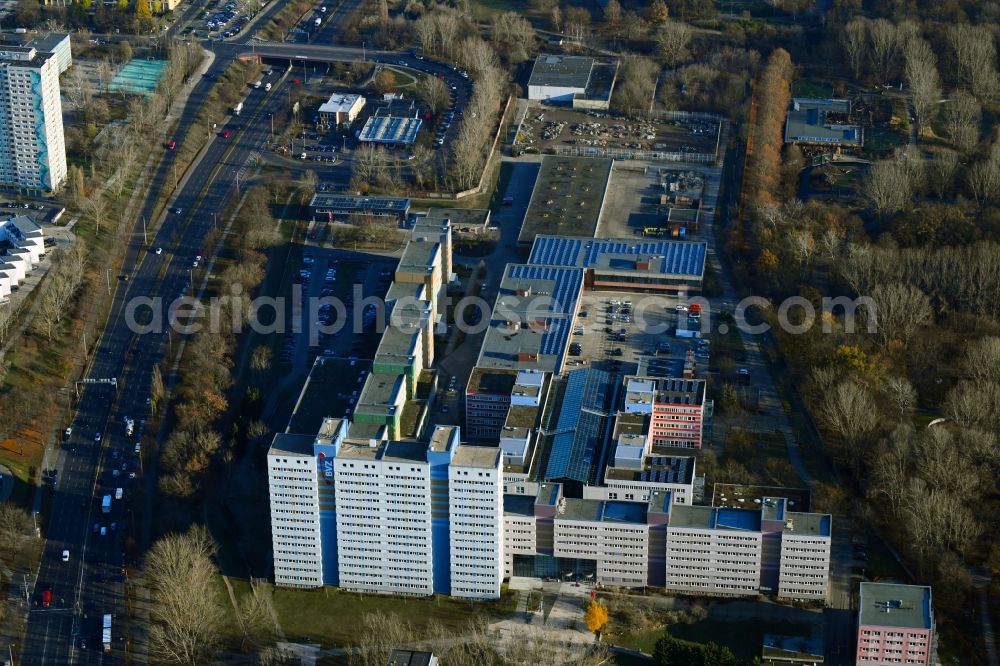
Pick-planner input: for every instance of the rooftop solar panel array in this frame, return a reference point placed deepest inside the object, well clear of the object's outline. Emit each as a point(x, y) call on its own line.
point(555, 251)
point(348, 202)
point(565, 290)
point(679, 257)
point(388, 129)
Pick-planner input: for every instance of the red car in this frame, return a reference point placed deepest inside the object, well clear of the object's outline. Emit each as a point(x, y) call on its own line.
point(296, 81)
point(46, 598)
point(171, 144)
point(227, 134)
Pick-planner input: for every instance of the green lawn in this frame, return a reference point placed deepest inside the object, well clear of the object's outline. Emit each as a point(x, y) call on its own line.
point(812, 88)
point(743, 638)
point(644, 641)
point(330, 615)
point(881, 140)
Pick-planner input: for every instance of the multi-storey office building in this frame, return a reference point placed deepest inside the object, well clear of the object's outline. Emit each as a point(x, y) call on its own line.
point(387, 517)
point(32, 148)
point(721, 551)
point(675, 408)
point(895, 625)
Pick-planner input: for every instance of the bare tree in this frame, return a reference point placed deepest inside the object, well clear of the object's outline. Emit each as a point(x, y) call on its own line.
point(974, 404)
point(477, 55)
point(515, 35)
point(922, 78)
point(186, 613)
point(672, 39)
point(254, 616)
point(434, 92)
point(900, 309)
point(854, 41)
point(984, 176)
point(890, 467)
point(15, 526)
point(849, 411)
point(975, 56)
point(962, 118)
point(982, 359)
point(889, 186)
point(883, 47)
point(941, 171)
point(902, 396)
point(612, 12)
point(96, 209)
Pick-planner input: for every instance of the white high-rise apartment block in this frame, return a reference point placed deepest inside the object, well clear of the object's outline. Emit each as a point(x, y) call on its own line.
point(295, 527)
point(32, 148)
point(475, 507)
point(384, 518)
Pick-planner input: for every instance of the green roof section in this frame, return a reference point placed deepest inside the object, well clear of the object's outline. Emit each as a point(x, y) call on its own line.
point(567, 198)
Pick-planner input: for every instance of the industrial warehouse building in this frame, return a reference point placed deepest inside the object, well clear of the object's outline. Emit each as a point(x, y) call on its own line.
point(580, 81)
point(822, 121)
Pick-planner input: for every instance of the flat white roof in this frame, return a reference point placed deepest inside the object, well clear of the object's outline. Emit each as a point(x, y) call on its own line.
point(339, 103)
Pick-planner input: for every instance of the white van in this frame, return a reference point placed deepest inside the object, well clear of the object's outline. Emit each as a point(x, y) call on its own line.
point(118, 493)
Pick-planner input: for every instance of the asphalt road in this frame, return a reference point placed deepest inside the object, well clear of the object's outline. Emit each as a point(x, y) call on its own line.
point(92, 582)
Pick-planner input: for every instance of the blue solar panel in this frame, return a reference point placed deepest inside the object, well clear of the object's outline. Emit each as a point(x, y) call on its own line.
point(679, 257)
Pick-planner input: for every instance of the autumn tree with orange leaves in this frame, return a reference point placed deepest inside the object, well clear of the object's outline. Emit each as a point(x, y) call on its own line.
point(596, 616)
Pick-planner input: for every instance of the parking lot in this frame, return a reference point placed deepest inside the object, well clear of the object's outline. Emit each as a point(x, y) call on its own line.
point(633, 203)
point(225, 19)
point(615, 331)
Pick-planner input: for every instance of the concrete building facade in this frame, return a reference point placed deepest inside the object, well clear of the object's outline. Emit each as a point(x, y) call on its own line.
point(32, 148)
point(895, 625)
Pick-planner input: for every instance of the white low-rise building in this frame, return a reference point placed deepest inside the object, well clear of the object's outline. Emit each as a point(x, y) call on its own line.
point(23, 247)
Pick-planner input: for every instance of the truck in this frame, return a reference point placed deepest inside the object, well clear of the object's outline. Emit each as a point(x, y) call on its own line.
point(106, 633)
point(237, 108)
point(106, 504)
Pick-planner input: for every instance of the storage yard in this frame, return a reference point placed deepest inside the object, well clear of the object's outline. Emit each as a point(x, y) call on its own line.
point(544, 129)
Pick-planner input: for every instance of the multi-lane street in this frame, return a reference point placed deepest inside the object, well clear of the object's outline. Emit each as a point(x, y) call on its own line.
point(99, 457)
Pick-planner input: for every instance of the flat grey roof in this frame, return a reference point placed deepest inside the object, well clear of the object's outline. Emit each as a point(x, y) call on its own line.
point(329, 390)
point(477, 456)
point(567, 198)
point(398, 343)
point(419, 256)
point(561, 71)
point(824, 121)
point(896, 605)
point(604, 511)
point(292, 445)
point(458, 216)
point(808, 524)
